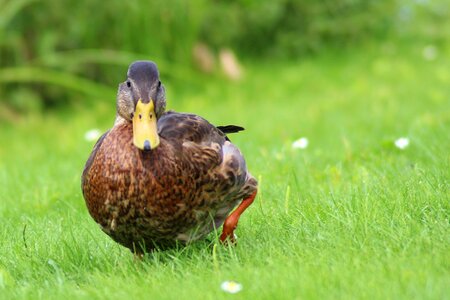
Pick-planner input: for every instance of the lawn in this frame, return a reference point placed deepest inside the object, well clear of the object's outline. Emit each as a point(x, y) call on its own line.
point(350, 216)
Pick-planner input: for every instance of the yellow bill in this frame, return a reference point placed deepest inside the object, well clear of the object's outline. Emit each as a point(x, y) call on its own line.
point(145, 132)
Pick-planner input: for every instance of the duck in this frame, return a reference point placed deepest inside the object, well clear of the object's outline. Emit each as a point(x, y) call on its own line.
point(158, 178)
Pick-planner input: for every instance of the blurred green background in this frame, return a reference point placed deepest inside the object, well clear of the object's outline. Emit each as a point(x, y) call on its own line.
point(352, 215)
point(56, 53)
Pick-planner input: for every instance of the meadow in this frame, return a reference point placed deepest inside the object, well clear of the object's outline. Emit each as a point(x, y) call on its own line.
point(349, 216)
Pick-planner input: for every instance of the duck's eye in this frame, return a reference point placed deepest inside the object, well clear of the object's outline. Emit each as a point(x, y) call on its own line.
point(132, 115)
point(159, 84)
point(128, 83)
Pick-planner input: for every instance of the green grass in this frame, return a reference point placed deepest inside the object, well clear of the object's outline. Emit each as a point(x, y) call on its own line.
point(351, 216)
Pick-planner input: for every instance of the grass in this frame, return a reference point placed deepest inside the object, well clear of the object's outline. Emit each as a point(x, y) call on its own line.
point(351, 216)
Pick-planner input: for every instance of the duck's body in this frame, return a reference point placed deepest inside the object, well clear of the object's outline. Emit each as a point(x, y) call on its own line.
point(180, 191)
point(158, 178)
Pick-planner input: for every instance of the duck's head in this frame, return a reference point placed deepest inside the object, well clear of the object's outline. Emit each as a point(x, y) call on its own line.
point(141, 100)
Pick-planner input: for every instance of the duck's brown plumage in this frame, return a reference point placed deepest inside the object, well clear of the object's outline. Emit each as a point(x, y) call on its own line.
point(180, 191)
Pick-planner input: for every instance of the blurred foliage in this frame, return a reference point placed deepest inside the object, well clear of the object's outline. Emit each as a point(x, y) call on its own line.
point(292, 27)
point(66, 49)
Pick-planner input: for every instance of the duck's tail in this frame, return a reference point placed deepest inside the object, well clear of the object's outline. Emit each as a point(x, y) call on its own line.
point(230, 128)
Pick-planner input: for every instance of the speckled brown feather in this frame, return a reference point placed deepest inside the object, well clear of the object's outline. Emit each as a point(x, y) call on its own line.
point(179, 191)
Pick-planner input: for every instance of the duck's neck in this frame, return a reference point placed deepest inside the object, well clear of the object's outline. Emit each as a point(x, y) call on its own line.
point(120, 120)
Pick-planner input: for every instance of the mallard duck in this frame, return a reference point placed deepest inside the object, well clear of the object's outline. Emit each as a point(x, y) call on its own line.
point(157, 178)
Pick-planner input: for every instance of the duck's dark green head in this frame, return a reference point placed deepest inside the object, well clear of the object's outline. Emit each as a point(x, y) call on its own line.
point(141, 100)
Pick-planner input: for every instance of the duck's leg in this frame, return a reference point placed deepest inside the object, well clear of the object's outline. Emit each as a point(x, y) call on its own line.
point(232, 220)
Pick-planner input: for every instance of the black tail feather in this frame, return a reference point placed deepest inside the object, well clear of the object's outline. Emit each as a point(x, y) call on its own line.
point(230, 128)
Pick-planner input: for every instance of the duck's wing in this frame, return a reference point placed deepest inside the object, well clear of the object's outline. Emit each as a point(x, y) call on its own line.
point(183, 127)
point(216, 164)
point(205, 145)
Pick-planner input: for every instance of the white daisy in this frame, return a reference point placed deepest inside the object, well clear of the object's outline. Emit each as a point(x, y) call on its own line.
point(402, 143)
point(231, 286)
point(301, 143)
point(92, 135)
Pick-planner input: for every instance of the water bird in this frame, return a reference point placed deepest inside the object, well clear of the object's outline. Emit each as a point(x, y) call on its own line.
point(159, 178)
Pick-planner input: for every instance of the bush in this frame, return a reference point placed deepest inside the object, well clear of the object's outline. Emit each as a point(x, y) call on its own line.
point(292, 27)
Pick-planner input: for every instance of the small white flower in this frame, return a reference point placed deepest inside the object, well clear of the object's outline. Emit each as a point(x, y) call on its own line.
point(430, 52)
point(402, 143)
point(92, 135)
point(301, 143)
point(231, 286)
